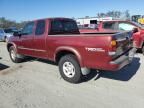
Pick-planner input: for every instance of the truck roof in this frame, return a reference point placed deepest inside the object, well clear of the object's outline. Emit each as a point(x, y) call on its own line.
point(53, 18)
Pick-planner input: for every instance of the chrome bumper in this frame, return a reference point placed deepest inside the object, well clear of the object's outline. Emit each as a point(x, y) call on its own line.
point(124, 59)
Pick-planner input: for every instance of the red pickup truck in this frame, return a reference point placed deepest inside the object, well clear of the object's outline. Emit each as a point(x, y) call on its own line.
point(59, 40)
point(118, 25)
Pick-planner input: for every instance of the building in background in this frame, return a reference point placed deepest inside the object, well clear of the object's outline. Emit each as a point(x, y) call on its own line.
point(90, 22)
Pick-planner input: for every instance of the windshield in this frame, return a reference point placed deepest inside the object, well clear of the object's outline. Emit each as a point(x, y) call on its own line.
point(64, 27)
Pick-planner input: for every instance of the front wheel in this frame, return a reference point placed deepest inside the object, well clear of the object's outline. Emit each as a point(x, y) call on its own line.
point(70, 69)
point(13, 55)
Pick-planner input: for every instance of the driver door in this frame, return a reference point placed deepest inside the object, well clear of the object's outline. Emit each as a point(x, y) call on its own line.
point(27, 38)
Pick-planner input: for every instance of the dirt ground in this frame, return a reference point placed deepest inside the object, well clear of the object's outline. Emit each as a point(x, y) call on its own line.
point(37, 84)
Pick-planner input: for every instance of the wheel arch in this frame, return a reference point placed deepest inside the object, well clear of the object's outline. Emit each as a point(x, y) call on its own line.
point(62, 51)
point(9, 45)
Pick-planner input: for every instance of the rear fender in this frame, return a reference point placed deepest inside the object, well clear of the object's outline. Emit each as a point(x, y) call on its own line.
point(69, 49)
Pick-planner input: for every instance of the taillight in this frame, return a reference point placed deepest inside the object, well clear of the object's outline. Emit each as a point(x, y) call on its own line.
point(113, 43)
point(113, 47)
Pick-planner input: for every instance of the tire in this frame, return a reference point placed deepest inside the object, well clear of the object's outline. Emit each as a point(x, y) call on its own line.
point(70, 69)
point(13, 55)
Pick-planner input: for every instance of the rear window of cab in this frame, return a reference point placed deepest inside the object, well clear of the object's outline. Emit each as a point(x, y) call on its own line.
point(64, 27)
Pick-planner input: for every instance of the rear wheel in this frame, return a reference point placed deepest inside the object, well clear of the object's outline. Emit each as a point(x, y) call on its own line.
point(14, 56)
point(70, 69)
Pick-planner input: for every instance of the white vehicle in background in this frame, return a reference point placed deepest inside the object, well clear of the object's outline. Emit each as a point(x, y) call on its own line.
point(6, 33)
point(90, 22)
point(2, 35)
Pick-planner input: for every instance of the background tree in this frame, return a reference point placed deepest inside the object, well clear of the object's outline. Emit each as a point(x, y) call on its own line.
point(127, 14)
point(115, 14)
point(5, 23)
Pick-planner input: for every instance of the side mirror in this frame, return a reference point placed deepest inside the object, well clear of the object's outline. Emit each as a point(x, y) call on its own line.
point(16, 34)
point(135, 30)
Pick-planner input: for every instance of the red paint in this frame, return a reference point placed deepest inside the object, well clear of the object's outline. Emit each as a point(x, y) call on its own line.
point(48, 46)
point(138, 36)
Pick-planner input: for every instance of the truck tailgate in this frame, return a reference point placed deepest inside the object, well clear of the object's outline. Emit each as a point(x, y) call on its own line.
point(124, 43)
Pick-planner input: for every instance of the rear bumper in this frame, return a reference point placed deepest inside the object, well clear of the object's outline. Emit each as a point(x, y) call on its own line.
point(122, 61)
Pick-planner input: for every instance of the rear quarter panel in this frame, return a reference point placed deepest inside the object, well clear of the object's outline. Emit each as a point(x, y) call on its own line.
point(79, 45)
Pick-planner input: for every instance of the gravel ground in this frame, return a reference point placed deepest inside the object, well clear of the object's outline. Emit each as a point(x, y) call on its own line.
point(37, 84)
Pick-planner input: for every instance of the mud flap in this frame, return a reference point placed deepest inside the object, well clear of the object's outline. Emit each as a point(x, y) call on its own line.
point(131, 54)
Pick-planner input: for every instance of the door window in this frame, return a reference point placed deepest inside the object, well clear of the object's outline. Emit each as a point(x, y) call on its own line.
point(40, 28)
point(28, 29)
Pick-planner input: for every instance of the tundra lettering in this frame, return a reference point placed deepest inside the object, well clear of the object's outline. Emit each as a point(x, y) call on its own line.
point(95, 49)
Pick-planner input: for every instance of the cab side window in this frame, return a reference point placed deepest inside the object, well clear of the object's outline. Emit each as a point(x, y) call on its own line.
point(40, 27)
point(64, 27)
point(28, 28)
point(126, 26)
